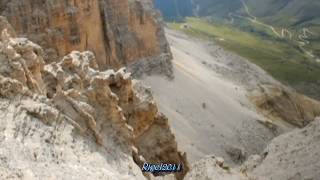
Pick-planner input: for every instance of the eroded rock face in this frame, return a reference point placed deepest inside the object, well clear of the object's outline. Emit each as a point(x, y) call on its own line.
point(294, 155)
point(212, 168)
point(285, 104)
point(69, 110)
point(21, 60)
point(119, 32)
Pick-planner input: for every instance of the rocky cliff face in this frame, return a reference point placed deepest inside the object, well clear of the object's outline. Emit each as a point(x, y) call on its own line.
point(72, 120)
point(119, 32)
point(281, 103)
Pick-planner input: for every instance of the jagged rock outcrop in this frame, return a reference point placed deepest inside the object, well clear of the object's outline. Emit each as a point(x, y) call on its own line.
point(72, 120)
point(119, 32)
point(277, 101)
point(212, 168)
point(294, 155)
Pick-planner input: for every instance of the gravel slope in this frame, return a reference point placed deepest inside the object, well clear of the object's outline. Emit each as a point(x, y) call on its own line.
point(209, 113)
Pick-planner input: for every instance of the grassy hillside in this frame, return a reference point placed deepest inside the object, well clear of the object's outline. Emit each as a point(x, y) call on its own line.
point(286, 17)
point(281, 58)
point(217, 8)
point(286, 12)
point(281, 36)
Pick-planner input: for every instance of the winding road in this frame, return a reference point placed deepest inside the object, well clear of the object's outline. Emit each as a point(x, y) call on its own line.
point(302, 37)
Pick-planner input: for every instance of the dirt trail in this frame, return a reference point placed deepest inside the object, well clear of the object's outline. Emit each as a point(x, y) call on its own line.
point(254, 19)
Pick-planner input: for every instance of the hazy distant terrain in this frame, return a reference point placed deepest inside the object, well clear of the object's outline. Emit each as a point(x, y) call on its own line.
point(281, 12)
point(282, 37)
point(175, 9)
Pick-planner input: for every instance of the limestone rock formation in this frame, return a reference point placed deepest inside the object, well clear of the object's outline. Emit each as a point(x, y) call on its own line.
point(74, 121)
point(294, 155)
point(119, 32)
point(277, 101)
point(211, 168)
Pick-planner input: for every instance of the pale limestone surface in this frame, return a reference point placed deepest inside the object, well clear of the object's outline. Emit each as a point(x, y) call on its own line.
point(68, 120)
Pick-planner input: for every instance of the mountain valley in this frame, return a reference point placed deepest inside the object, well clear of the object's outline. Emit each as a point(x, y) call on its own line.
point(289, 29)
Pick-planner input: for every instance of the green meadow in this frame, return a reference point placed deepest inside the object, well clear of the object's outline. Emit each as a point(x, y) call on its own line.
point(281, 58)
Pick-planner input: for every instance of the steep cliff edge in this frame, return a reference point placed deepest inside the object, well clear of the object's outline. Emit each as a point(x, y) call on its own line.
point(72, 120)
point(119, 32)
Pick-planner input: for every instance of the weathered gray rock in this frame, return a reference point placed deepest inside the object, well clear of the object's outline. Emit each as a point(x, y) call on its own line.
point(237, 154)
point(294, 155)
point(212, 168)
